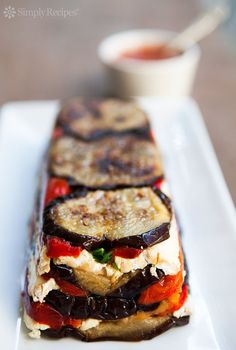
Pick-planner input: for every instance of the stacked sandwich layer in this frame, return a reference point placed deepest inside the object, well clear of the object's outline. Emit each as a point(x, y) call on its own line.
point(106, 260)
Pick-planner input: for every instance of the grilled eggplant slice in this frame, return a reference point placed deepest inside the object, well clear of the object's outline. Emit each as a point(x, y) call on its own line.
point(108, 163)
point(93, 118)
point(101, 284)
point(136, 217)
point(132, 328)
point(129, 285)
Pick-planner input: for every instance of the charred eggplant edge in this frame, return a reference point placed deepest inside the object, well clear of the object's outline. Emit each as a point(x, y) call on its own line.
point(64, 121)
point(142, 132)
point(89, 243)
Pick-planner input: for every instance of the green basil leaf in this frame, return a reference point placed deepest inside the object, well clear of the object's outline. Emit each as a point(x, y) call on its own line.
point(101, 256)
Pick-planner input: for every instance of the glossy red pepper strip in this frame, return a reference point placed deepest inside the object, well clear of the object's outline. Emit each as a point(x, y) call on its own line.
point(57, 247)
point(46, 314)
point(65, 286)
point(162, 289)
point(158, 183)
point(182, 298)
point(126, 252)
point(56, 187)
point(70, 289)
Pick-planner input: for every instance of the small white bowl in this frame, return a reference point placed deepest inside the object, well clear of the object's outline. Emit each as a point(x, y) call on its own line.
point(130, 77)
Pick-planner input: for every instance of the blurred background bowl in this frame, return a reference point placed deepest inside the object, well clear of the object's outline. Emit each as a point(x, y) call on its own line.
point(138, 77)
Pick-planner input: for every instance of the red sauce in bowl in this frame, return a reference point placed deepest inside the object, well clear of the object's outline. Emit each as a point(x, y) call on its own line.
point(150, 53)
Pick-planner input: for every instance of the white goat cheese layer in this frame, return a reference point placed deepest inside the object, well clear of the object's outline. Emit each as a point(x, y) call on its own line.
point(164, 255)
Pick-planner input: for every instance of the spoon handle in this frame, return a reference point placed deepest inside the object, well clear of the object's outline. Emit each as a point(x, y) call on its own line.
point(200, 28)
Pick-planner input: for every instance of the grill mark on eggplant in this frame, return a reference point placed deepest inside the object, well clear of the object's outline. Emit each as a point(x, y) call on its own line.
point(104, 164)
point(124, 161)
point(144, 240)
point(81, 109)
point(142, 133)
point(68, 331)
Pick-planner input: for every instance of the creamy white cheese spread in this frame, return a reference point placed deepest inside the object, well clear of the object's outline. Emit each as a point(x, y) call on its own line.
point(89, 323)
point(185, 310)
point(38, 287)
point(34, 326)
point(164, 255)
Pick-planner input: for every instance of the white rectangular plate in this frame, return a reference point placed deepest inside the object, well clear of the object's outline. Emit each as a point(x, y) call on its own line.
point(201, 199)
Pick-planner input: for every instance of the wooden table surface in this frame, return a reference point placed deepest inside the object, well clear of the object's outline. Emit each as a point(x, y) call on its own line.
point(54, 57)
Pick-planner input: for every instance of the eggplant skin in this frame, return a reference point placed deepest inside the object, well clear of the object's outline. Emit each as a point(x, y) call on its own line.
point(133, 330)
point(102, 308)
point(142, 280)
point(140, 241)
point(62, 272)
point(164, 198)
point(91, 119)
point(146, 239)
point(90, 243)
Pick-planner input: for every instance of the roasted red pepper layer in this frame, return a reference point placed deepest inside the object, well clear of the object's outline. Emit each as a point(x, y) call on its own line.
point(163, 289)
point(45, 314)
point(57, 247)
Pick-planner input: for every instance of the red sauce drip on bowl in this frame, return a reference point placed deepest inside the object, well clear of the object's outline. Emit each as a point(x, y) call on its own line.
point(150, 53)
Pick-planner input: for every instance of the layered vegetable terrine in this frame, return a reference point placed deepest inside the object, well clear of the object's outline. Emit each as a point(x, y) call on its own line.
point(106, 260)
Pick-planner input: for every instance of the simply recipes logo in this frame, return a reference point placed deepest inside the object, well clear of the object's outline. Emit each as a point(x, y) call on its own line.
point(10, 12)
